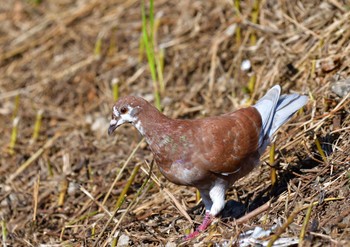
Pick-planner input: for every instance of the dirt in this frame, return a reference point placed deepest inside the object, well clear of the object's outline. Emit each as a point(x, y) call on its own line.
point(59, 59)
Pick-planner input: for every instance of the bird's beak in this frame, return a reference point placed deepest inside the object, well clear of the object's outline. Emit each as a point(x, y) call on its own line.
point(112, 126)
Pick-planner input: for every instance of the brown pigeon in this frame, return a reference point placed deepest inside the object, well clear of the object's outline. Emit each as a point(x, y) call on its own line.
point(209, 153)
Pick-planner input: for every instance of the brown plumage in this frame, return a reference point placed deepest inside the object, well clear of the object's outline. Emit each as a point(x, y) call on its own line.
point(210, 153)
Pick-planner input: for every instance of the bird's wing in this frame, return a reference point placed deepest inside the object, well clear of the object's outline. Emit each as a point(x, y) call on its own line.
point(223, 143)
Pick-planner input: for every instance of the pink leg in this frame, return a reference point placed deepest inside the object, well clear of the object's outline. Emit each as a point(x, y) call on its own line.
point(206, 222)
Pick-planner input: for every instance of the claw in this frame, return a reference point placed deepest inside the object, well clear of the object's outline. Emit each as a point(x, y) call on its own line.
point(201, 228)
point(192, 235)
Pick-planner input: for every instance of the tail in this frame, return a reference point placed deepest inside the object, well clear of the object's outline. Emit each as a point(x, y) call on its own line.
point(275, 110)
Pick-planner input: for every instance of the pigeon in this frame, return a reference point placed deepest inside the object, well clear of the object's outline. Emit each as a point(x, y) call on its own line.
point(210, 153)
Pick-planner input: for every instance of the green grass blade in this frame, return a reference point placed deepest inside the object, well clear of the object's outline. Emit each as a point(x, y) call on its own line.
point(4, 231)
point(151, 19)
point(148, 44)
point(160, 69)
point(127, 186)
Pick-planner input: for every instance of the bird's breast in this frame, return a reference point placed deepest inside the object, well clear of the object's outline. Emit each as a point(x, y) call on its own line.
point(184, 173)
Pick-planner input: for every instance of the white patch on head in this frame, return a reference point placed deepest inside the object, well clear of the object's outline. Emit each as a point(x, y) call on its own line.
point(127, 118)
point(115, 111)
point(120, 122)
point(113, 122)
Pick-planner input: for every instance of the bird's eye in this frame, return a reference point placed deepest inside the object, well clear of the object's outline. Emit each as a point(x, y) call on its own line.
point(123, 110)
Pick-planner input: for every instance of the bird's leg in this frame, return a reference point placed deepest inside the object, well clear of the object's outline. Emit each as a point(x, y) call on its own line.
point(207, 219)
point(206, 222)
point(214, 201)
point(217, 196)
point(208, 203)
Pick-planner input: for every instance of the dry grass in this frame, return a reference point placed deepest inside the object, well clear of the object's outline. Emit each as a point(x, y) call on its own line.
point(61, 57)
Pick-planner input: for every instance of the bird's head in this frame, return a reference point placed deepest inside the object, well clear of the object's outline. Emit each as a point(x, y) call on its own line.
point(127, 110)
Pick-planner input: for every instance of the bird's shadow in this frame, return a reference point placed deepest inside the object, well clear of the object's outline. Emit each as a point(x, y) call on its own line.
point(234, 209)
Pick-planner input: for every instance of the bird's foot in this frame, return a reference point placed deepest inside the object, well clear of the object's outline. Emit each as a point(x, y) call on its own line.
point(192, 235)
point(206, 222)
point(202, 227)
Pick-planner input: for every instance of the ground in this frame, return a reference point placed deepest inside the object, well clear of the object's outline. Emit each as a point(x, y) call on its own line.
point(60, 59)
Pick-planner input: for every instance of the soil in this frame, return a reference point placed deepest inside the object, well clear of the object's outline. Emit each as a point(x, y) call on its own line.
point(59, 60)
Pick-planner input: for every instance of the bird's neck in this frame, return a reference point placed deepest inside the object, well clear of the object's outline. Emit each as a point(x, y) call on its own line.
point(153, 125)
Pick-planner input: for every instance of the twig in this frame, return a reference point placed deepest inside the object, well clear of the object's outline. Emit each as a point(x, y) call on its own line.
point(281, 229)
point(127, 186)
point(37, 125)
point(305, 223)
point(35, 156)
point(95, 201)
point(255, 18)
point(272, 165)
point(325, 237)
point(115, 89)
point(254, 213)
point(320, 150)
point(132, 203)
point(291, 217)
point(106, 225)
point(3, 232)
point(171, 196)
point(36, 197)
point(14, 134)
point(121, 171)
point(178, 205)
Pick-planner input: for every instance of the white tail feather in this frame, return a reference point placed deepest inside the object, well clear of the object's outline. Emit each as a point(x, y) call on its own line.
point(275, 110)
point(287, 105)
